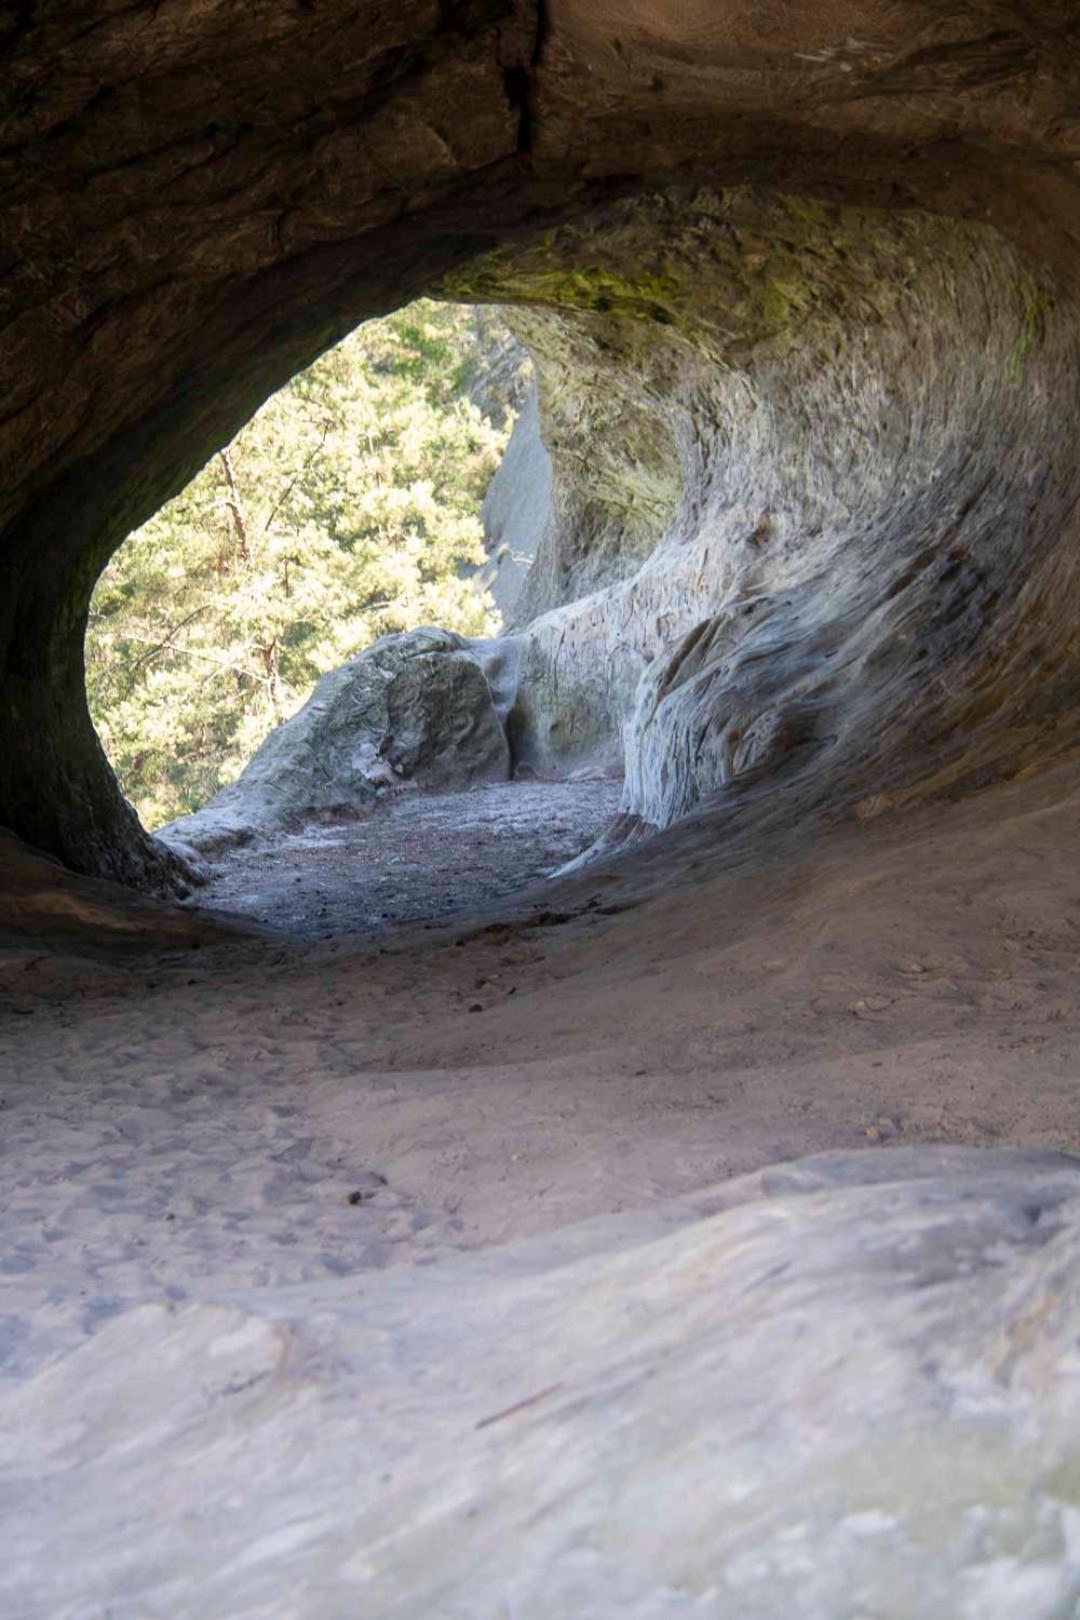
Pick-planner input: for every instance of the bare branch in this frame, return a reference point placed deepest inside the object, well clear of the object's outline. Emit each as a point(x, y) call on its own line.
point(295, 479)
point(236, 508)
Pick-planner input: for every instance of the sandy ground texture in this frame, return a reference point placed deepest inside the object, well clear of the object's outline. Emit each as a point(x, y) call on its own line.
point(277, 1111)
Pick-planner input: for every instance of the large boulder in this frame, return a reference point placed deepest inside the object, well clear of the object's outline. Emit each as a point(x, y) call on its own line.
point(842, 1388)
point(415, 707)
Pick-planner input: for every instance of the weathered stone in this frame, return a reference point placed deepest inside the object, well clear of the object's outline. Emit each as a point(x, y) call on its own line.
point(413, 708)
point(816, 576)
point(74, 918)
point(843, 1387)
point(812, 551)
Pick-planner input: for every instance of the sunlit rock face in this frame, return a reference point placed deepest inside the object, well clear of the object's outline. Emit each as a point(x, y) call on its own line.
point(516, 511)
point(815, 512)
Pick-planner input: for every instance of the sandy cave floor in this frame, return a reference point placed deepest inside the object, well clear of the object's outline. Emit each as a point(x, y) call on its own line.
point(416, 856)
point(193, 1122)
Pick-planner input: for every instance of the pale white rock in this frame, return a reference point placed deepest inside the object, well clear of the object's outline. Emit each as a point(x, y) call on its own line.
point(755, 1402)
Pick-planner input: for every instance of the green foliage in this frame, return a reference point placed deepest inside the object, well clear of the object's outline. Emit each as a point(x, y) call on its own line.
point(347, 508)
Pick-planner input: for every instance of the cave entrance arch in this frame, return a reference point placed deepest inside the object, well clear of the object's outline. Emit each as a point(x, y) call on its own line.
point(331, 169)
point(284, 654)
point(350, 507)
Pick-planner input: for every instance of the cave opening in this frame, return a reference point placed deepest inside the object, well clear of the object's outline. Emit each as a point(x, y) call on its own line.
point(348, 508)
point(362, 518)
point(774, 476)
point(699, 1231)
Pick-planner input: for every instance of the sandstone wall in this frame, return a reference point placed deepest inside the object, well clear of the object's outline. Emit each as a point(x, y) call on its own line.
point(815, 503)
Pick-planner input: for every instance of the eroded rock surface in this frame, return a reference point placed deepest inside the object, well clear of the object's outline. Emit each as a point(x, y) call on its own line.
point(843, 1386)
point(45, 908)
point(813, 532)
point(413, 708)
point(811, 553)
point(803, 505)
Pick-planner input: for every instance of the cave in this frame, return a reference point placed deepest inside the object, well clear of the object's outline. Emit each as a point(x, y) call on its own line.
point(529, 1208)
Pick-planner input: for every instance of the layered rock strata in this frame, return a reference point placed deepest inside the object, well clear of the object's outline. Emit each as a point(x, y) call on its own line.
point(814, 522)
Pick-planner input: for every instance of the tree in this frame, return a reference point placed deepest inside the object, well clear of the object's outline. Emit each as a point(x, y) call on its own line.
point(347, 508)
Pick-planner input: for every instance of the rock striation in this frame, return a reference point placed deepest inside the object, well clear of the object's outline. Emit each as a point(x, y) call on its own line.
point(844, 1386)
point(819, 556)
point(806, 556)
point(800, 285)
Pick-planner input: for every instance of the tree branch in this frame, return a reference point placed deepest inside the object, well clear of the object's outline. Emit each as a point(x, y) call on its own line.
point(295, 479)
point(237, 510)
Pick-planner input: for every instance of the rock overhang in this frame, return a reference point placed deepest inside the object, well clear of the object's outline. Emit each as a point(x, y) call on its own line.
point(192, 219)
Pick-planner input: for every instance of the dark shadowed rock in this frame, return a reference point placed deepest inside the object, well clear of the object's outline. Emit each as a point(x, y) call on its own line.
point(801, 286)
point(195, 203)
point(86, 917)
